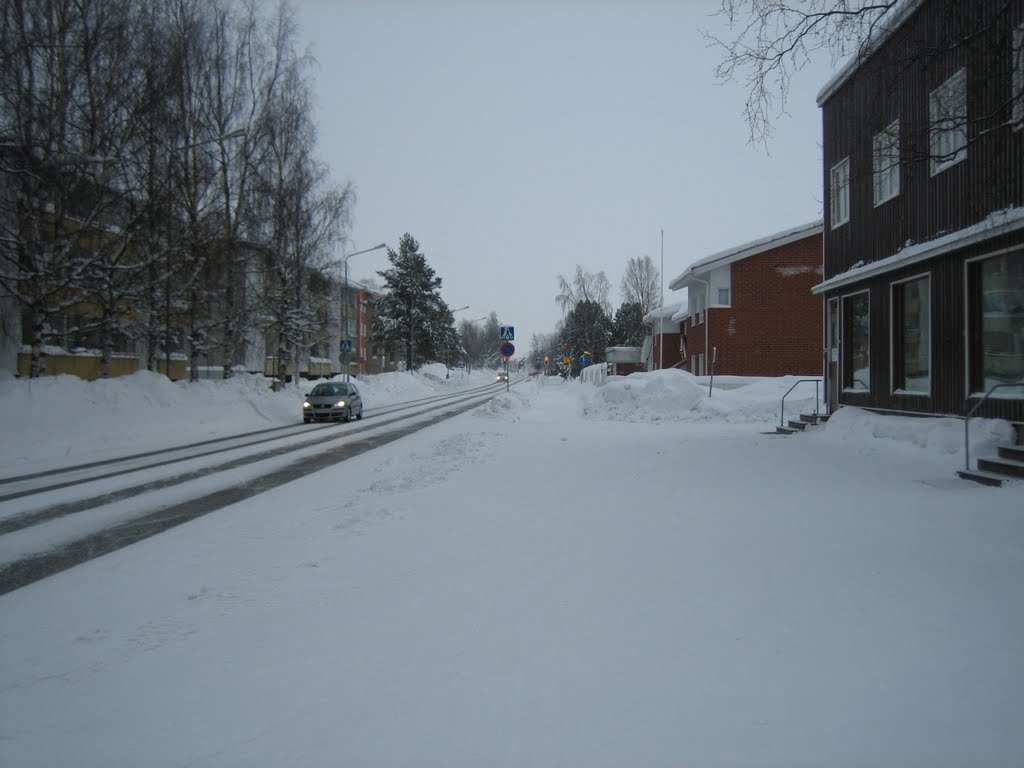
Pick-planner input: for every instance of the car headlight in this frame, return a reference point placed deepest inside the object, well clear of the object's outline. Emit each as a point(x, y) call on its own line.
point(341, 404)
point(306, 404)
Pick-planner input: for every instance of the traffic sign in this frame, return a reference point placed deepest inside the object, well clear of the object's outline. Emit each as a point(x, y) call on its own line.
point(346, 345)
point(507, 333)
point(566, 360)
point(584, 361)
point(508, 349)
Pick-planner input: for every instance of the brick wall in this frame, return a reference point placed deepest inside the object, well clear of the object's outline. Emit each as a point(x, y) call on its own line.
point(774, 326)
point(670, 356)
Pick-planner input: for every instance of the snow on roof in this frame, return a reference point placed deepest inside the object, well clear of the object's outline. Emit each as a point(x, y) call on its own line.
point(754, 247)
point(888, 23)
point(622, 354)
point(664, 311)
point(664, 314)
point(997, 223)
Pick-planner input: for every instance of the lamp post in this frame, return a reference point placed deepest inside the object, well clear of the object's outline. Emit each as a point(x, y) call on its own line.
point(661, 318)
point(345, 301)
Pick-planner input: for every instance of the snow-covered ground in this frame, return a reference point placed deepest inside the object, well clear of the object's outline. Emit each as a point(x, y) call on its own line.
point(634, 574)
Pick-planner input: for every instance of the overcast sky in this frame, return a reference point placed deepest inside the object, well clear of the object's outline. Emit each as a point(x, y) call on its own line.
point(515, 140)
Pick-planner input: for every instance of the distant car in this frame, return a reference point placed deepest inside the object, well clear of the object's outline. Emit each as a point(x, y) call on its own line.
point(332, 400)
point(501, 377)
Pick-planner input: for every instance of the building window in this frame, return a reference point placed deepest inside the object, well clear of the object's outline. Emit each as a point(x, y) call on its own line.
point(947, 113)
point(996, 287)
point(723, 297)
point(856, 343)
point(1018, 75)
point(911, 328)
point(886, 163)
point(839, 192)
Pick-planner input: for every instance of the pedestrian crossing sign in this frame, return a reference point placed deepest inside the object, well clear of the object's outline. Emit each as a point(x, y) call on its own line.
point(507, 333)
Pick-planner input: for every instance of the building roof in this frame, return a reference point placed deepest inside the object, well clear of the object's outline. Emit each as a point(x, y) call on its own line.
point(745, 251)
point(995, 224)
point(663, 312)
point(888, 23)
point(622, 354)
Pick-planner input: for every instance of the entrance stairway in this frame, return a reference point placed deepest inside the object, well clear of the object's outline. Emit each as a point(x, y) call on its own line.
point(1008, 464)
point(806, 420)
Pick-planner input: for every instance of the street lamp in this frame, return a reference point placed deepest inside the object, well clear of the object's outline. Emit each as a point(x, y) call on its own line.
point(345, 302)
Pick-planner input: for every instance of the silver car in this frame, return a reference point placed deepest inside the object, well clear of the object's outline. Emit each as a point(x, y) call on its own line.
point(332, 400)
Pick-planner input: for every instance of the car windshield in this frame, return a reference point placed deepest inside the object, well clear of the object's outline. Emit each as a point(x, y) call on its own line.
point(329, 390)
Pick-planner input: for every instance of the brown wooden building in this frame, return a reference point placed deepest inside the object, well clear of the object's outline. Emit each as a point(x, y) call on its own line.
point(750, 309)
point(923, 286)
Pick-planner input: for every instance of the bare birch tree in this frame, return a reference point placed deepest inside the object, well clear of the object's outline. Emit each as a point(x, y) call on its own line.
point(640, 284)
point(585, 286)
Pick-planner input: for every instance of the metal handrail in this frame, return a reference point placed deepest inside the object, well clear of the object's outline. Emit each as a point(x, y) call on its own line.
point(782, 407)
point(967, 422)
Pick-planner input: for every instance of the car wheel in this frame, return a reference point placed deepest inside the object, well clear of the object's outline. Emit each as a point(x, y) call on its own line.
point(348, 414)
point(359, 415)
point(306, 421)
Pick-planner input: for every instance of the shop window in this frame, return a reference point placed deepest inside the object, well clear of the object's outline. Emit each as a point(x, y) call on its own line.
point(997, 307)
point(857, 343)
point(911, 328)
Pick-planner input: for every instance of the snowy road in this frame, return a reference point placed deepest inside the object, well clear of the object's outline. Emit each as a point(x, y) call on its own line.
point(562, 577)
point(54, 520)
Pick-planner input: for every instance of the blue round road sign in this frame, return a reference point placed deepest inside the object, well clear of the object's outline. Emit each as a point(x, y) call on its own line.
point(507, 349)
point(584, 361)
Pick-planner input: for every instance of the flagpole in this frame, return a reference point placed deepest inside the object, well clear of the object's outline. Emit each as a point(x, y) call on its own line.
point(661, 318)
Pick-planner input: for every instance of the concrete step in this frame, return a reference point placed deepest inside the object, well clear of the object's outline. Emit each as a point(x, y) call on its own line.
point(797, 425)
point(985, 478)
point(813, 418)
point(1013, 452)
point(784, 430)
point(1002, 467)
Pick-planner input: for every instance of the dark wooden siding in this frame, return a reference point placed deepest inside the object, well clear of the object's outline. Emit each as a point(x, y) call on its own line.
point(896, 83)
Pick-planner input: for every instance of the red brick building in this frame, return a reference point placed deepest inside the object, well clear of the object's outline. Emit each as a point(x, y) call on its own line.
point(662, 349)
point(750, 309)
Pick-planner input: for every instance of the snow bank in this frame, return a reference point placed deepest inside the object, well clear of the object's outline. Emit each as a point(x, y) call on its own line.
point(678, 396)
point(63, 419)
point(936, 435)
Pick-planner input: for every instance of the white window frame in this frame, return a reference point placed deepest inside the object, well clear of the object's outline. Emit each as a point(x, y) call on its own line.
point(839, 193)
point(1018, 77)
point(947, 115)
point(885, 160)
point(893, 287)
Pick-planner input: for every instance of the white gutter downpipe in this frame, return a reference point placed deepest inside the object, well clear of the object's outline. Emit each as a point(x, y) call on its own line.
point(707, 319)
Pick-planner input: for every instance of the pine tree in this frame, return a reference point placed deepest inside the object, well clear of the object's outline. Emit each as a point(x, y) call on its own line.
point(587, 329)
point(628, 329)
point(411, 313)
